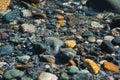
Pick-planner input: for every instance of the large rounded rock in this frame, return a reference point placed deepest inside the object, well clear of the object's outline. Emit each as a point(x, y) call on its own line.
point(109, 5)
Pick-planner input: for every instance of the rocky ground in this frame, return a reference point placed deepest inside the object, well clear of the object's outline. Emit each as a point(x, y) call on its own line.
point(58, 40)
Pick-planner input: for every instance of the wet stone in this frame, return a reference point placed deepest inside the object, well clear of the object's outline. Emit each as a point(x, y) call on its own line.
point(6, 49)
point(70, 43)
point(116, 40)
point(4, 35)
point(72, 70)
point(47, 76)
point(82, 75)
point(87, 33)
point(108, 37)
point(30, 28)
point(107, 46)
point(67, 53)
point(111, 67)
point(13, 73)
point(64, 76)
point(4, 4)
point(26, 78)
point(12, 15)
point(24, 58)
point(26, 13)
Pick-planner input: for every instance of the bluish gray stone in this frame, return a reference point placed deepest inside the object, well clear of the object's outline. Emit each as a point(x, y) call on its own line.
point(72, 70)
point(6, 49)
point(116, 40)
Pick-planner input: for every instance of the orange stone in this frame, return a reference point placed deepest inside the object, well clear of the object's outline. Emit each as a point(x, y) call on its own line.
point(93, 65)
point(70, 43)
point(59, 17)
point(72, 63)
point(110, 66)
point(60, 23)
point(4, 5)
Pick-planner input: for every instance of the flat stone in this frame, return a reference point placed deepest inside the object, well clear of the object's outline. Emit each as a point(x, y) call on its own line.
point(4, 35)
point(26, 13)
point(92, 39)
point(108, 37)
point(95, 68)
point(87, 33)
point(70, 43)
point(47, 76)
point(107, 46)
point(95, 24)
point(116, 40)
point(67, 53)
point(24, 58)
point(6, 49)
point(72, 70)
point(13, 73)
point(4, 4)
point(111, 67)
point(30, 28)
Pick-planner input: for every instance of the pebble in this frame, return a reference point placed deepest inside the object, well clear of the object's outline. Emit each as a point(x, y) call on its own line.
point(4, 35)
point(60, 23)
point(13, 73)
point(30, 28)
point(116, 40)
point(93, 65)
point(108, 37)
point(67, 53)
point(59, 17)
point(26, 78)
point(53, 45)
point(24, 58)
point(2, 64)
point(70, 43)
point(47, 76)
point(26, 13)
point(4, 4)
point(91, 39)
point(82, 75)
point(115, 31)
point(87, 33)
point(111, 67)
point(49, 58)
point(59, 11)
point(12, 15)
point(72, 70)
point(64, 76)
point(95, 24)
point(6, 49)
point(107, 46)
point(99, 41)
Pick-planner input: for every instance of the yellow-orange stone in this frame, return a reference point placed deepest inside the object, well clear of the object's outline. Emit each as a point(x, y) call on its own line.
point(4, 5)
point(70, 43)
point(93, 65)
point(60, 23)
point(110, 66)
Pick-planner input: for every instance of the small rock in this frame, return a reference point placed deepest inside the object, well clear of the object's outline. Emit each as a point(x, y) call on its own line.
point(91, 39)
point(4, 35)
point(12, 15)
point(87, 33)
point(26, 13)
point(26, 78)
point(60, 23)
point(4, 4)
point(95, 24)
point(82, 75)
point(59, 11)
point(47, 76)
point(59, 17)
point(107, 46)
point(70, 43)
point(13, 73)
point(24, 58)
point(116, 40)
point(49, 58)
point(93, 65)
point(108, 37)
point(6, 49)
point(2, 64)
point(99, 41)
point(115, 31)
point(111, 67)
point(72, 70)
point(53, 45)
point(30, 28)
point(100, 16)
point(67, 53)
point(64, 76)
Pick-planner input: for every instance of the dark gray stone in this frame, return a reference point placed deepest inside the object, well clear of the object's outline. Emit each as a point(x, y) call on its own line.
point(67, 53)
point(116, 40)
point(6, 49)
point(109, 5)
point(107, 46)
point(87, 33)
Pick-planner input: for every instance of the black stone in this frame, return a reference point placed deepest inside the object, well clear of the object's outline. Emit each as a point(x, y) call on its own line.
point(107, 46)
